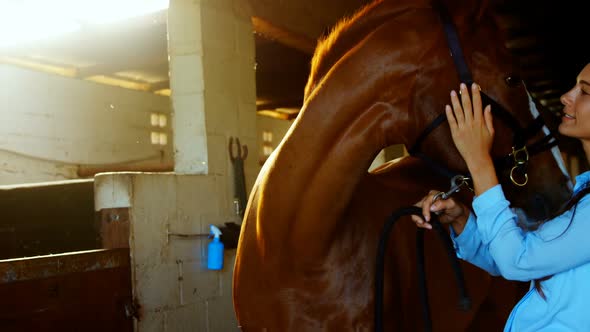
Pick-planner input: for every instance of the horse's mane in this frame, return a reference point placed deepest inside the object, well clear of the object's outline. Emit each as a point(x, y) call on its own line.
point(351, 30)
point(347, 32)
point(332, 42)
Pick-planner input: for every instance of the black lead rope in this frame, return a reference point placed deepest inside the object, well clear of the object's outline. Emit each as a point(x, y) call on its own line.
point(423, 289)
point(464, 301)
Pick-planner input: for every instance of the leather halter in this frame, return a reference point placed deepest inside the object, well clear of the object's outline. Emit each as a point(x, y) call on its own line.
point(518, 158)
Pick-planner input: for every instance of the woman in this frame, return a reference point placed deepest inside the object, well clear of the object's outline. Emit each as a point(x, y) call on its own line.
point(556, 255)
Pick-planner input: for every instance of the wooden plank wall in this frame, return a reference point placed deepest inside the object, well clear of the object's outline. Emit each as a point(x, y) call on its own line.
point(81, 291)
point(63, 267)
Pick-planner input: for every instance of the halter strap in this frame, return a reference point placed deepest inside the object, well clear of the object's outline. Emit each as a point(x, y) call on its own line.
point(520, 137)
point(454, 43)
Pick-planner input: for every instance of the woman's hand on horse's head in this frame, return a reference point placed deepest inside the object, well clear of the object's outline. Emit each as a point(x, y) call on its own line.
point(449, 211)
point(471, 127)
point(473, 133)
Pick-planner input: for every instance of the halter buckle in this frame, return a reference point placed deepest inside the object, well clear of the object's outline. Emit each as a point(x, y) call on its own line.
point(521, 156)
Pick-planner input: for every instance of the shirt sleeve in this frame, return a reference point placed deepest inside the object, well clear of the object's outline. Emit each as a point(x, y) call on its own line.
point(470, 248)
point(558, 245)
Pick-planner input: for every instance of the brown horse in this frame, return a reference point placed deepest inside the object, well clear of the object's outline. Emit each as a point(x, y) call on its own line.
point(306, 256)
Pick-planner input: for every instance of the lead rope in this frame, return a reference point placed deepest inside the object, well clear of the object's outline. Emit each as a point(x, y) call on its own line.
point(464, 302)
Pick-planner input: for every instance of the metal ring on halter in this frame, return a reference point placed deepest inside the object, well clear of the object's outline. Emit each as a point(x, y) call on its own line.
point(521, 156)
point(526, 177)
point(457, 182)
point(440, 195)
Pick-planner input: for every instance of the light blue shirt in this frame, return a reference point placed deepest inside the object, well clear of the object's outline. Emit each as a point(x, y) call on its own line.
point(495, 243)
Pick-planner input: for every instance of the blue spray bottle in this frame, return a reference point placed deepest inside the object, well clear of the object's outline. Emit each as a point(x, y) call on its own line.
point(215, 250)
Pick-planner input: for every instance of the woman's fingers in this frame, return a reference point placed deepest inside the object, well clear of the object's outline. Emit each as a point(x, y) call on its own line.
point(488, 119)
point(475, 92)
point(425, 204)
point(457, 109)
point(466, 107)
point(420, 222)
point(466, 102)
point(441, 205)
point(447, 210)
point(451, 118)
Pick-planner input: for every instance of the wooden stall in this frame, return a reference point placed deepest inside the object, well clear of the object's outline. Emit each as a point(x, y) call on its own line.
point(63, 268)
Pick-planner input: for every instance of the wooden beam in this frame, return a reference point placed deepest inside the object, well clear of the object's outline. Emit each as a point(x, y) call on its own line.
point(120, 65)
point(38, 66)
point(103, 69)
point(274, 114)
point(283, 36)
point(122, 83)
point(59, 264)
point(160, 85)
point(114, 228)
point(89, 171)
point(100, 69)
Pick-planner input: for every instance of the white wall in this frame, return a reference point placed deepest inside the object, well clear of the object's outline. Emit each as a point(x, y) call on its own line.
point(51, 124)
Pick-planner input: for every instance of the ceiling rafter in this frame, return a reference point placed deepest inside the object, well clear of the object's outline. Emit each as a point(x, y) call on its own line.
point(284, 36)
point(160, 85)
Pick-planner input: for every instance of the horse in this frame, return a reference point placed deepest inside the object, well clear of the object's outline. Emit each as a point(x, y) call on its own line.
point(306, 254)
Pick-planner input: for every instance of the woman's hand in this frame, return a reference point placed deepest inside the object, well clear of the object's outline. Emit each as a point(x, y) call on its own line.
point(472, 129)
point(449, 211)
point(473, 133)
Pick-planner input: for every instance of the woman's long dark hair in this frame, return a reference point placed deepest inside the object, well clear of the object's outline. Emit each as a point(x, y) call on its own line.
point(572, 203)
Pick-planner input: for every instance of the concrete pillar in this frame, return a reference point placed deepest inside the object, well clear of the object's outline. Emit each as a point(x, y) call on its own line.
point(212, 77)
point(211, 54)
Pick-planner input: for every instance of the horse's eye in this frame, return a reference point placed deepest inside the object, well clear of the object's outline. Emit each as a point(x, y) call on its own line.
point(513, 81)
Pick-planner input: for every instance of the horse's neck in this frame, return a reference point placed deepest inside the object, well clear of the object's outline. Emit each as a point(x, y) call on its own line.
point(308, 183)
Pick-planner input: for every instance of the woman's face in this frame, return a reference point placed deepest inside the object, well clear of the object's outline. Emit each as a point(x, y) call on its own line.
point(575, 121)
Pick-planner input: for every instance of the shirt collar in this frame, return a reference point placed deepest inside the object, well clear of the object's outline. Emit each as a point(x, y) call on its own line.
point(581, 181)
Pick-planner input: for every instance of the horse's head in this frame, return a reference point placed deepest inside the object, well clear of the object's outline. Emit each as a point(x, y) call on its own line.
point(532, 173)
point(393, 61)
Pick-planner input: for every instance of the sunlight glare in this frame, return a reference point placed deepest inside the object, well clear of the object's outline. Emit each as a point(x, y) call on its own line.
point(26, 21)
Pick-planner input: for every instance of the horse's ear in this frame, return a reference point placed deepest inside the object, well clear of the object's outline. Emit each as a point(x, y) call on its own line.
point(478, 12)
point(465, 12)
point(483, 6)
